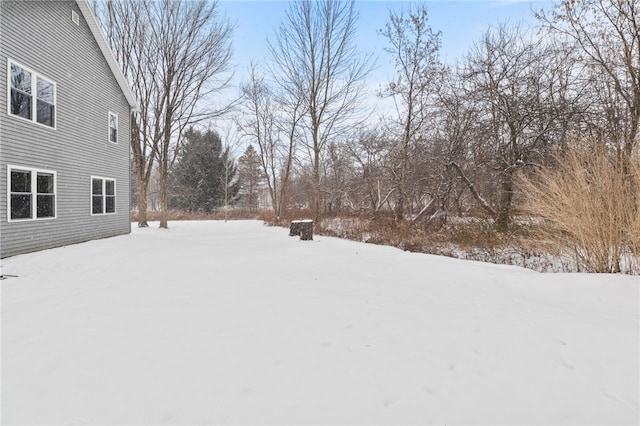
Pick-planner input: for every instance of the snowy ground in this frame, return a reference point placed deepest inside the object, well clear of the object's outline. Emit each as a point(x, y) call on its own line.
point(213, 322)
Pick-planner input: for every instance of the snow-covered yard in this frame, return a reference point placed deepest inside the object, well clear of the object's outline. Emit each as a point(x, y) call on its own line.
point(213, 322)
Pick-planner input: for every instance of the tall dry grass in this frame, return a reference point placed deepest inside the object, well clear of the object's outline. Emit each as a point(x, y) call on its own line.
point(590, 209)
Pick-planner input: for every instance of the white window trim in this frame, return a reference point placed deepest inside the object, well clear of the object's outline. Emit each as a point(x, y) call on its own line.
point(109, 128)
point(34, 192)
point(104, 195)
point(34, 98)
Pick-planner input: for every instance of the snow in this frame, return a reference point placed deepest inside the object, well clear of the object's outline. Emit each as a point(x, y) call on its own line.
point(237, 323)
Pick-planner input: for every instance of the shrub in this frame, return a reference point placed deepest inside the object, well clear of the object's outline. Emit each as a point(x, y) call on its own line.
point(589, 208)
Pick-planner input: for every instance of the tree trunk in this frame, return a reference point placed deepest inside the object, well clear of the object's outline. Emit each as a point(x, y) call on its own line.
point(142, 202)
point(163, 195)
point(402, 194)
point(306, 230)
point(164, 163)
point(406, 139)
point(284, 182)
point(139, 164)
point(294, 228)
point(302, 228)
point(164, 176)
point(317, 189)
point(503, 218)
point(483, 203)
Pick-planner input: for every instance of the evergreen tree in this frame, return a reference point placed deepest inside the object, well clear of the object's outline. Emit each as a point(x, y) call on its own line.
point(199, 178)
point(250, 177)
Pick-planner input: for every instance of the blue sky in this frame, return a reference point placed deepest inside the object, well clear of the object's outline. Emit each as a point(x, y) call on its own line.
point(461, 23)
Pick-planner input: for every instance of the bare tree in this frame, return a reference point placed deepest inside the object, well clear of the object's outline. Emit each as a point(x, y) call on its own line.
point(414, 47)
point(448, 154)
point(315, 58)
point(194, 45)
point(369, 150)
point(607, 32)
point(339, 180)
point(127, 28)
point(176, 54)
point(507, 76)
point(273, 123)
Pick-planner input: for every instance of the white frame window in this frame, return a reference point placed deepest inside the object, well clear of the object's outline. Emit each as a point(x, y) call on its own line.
point(32, 194)
point(113, 127)
point(30, 95)
point(103, 196)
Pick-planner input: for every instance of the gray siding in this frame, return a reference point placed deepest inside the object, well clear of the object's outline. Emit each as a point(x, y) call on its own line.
point(42, 36)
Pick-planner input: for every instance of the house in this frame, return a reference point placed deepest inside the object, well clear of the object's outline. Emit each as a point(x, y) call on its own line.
point(64, 128)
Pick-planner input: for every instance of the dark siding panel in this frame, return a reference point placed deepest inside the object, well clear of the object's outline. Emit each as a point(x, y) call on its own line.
point(53, 46)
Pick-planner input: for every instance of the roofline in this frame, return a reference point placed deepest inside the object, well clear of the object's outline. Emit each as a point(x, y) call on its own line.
point(107, 53)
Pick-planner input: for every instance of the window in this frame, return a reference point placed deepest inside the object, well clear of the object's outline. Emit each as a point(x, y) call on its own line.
point(113, 127)
point(32, 97)
point(103, 195)
point(32, 193)
point(109, 196)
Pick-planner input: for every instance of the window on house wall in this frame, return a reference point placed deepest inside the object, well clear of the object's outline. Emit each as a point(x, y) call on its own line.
point(32, 193)
point(113, 127)
point(33, 97)
point(103, 195)
point(109, 196)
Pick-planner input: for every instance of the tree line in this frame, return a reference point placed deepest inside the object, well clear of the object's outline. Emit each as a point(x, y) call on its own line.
point(477, 137)
point(459, 134)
